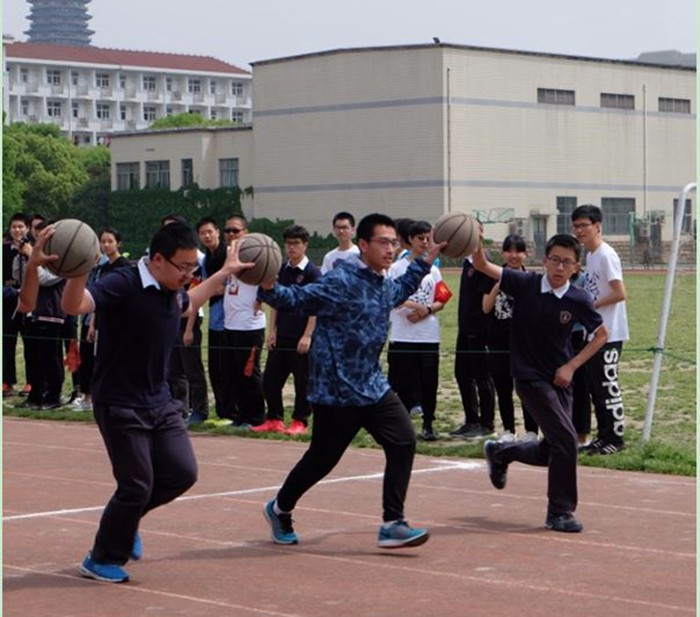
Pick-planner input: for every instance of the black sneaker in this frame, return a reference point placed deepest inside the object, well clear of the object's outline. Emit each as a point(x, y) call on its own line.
point(428, 434)
point(497, 470)
point(599, 446)
point(567, 523)
point(468, 431)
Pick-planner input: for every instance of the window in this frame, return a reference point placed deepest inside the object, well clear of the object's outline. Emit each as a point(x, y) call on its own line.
point(212, 86)
point(102, 80)
point(676, 106)
point(122, 81)
point(194, 85)
point(169, 84)
point(158, 174)
point(24, 75)
point(213, 114)
point(556, 97)
point(102, 111)
point(149, 113)
point(687, 225)
point(617, 101)
point(74, 78)
point(237, 88)
point(187, 172)
point(53, 109)
point(53, 77)
point(127, 176)
point(616, 215)
point(122, 111)
point(169, 111)
point(24, 107)
point(565, 206)
point(149, 83)
point(228, 172)
point(237, 117)
point(75, 109)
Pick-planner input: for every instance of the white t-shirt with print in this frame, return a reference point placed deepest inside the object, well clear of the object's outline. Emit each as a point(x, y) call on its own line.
point(240, 312)
point(426, 330)
point(333, 257)
point(603, 266)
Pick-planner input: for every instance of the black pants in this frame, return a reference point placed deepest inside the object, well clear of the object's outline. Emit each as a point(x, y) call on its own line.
point(152, 462)
point(580, 389)
point(44, 360)
point(499, 367)
point(602, 373)
point(551, 409)
point(333, 430)
point(10, 329)
point(217, 371)
point(87, 358)
point(244, 394)
point(414, 367)
point(188, 382)
point(283, 360)
point(69, 333)
point(472, 375)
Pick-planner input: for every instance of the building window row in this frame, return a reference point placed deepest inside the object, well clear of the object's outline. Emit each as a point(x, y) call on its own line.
point(676, 106)
point(609, 100)
point(158, 174)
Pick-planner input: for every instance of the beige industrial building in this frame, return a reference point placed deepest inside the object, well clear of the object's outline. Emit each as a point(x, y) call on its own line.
point(517, 138)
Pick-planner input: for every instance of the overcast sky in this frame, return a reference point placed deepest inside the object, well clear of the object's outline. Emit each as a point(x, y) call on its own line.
point(244, 32)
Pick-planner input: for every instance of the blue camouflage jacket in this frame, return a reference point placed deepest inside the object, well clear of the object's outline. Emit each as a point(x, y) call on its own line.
point(352, 305)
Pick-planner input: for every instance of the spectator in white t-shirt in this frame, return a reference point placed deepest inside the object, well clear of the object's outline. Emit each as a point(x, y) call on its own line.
point(604, 283)
point(343, 230)
point(414, 338)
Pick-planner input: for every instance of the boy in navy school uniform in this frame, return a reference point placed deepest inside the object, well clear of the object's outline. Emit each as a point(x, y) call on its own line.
point(141, 424)
point(546, 307)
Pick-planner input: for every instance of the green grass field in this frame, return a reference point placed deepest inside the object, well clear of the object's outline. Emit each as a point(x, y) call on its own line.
point(672, 447)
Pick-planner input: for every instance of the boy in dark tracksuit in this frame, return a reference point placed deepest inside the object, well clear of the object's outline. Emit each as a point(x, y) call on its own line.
point(543, 364)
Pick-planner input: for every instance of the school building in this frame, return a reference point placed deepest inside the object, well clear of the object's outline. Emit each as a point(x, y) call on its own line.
point(516, 138)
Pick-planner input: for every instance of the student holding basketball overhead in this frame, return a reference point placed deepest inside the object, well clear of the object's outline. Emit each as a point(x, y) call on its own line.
point(142, 425)
point(346, 386)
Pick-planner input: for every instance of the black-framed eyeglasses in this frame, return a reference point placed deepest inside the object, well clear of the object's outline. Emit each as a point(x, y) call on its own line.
point(581, 225)
point(232, 230)
point(557, 261)
point(183, 268)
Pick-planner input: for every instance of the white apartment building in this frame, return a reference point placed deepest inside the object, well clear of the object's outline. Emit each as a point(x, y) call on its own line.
point(91, 92)
point(516, 138)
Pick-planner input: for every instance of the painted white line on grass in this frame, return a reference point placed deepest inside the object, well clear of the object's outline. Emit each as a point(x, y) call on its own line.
point(444, 466)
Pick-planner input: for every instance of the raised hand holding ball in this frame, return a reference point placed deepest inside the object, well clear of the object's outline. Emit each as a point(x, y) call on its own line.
point(76, 246)
point(460, 231)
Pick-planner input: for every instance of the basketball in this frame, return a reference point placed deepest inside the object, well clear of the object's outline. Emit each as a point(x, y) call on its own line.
point(77, 247)
point(264, 253)
point(460, 231)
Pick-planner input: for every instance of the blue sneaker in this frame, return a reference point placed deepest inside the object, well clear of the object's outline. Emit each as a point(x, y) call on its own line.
point(137, 548)
point(106, 572)
point(400, 535)
point(280, 525)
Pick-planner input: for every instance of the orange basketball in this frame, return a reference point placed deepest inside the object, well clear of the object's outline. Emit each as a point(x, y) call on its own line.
point(264, 253)
point(460, 231)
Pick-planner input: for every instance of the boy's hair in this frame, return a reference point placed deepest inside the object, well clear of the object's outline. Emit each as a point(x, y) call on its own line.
point(20, 216)
point(365, 229)
point(113, 231)
point(170, 238)
point(566, 241)
point(418, 227)
point(240, 217)
point(588, 211)
point(344, 216)
point(207, 220)
point(514, 241)
point(402, 227)
point(296, 232)
point(173, 218)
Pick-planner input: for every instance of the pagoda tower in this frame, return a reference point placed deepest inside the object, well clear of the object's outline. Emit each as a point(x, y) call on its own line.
point(60, 22)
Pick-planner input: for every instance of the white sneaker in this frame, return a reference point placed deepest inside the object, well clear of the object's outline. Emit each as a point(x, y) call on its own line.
point(506, 437)
point(529, 437)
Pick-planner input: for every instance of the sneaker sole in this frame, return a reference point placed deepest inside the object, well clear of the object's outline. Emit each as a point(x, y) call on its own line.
point(577, 529)
point(415, 541)
point(90, 574)
point(272, 533)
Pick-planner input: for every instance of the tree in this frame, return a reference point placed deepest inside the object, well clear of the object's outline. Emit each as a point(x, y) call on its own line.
point(188, 119)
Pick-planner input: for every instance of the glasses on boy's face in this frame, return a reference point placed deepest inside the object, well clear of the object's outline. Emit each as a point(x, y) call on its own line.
point(558, 261)
point(188, 269)
point(387, 242)
point(232, 230)
point(577, 226)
